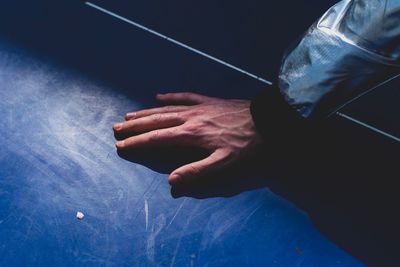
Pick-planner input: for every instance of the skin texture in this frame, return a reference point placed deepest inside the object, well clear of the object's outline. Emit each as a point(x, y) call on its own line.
point(224, 128)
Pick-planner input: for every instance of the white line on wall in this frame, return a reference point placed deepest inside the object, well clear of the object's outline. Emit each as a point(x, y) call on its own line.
point(177, 43)
point(368, 126)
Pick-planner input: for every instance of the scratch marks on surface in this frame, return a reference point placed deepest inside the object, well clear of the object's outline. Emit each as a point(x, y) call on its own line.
point(79, 154)
point(146, 213)
point(157, 226)
point(182, 234)
point(222, 226)
point(154, 184)
point(177, 211)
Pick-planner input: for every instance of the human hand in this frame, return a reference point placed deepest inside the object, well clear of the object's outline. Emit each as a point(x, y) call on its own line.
point(222, 127)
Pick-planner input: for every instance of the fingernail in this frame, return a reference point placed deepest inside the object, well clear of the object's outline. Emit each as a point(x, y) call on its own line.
point(174, 179)
point(117, 126)
point(120, 144)
point(130, 115)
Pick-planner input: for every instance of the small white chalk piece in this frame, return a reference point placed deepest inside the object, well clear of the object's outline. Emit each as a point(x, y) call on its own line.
point(80, 215)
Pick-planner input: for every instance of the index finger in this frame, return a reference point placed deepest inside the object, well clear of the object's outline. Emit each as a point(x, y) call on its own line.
point(160, 137)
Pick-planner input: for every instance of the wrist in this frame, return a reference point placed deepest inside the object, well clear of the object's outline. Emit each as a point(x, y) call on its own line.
point(274, 118)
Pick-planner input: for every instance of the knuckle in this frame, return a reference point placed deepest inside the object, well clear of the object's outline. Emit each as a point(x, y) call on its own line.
point(169, 108)
point(187, 95)
point(191, 112)
point(184, 116)
point(163, 134)
point(193, 169)
point(187, 114)
point(142, 112)
point(190, 128)
point(192, 133)
point(198, 125)
point(181, 117)
point(175, 115)
point(156, 118)
point(198, 111)
point(168, 96)
point(155, 135)
point(173, 133)
point(128, 124)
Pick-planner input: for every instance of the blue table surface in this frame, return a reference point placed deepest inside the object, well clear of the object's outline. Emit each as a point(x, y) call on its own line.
point(67, 72)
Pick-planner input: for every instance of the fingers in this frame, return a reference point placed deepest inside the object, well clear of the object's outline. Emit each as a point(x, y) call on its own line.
point(178, 102)
point(149, 123)
point(183, 98)
point(215, 161)
point(148, 112)
point(159, 137)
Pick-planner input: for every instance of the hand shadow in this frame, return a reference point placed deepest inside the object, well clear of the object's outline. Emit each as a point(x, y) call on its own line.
point(243, 176)
point(235, 179)
point(346, 185)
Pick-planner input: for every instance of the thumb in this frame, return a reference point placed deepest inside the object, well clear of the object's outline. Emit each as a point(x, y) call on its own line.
point(215, 161)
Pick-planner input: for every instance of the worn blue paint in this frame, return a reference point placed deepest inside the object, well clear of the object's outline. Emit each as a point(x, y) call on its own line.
point(58, 158)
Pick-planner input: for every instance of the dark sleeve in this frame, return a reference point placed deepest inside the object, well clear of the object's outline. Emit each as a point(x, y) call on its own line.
point(274, 118)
